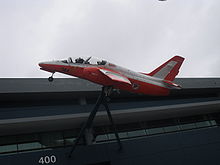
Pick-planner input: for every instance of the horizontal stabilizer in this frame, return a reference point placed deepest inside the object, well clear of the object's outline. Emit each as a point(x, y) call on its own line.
point(115, 76)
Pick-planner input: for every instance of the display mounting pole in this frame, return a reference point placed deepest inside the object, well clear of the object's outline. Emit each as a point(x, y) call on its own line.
point(106, 91)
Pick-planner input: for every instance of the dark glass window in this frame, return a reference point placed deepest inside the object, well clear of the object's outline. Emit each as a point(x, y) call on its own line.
point(188, 123)
point(52, 139)
point(123, 134)
point(101, 138)
point(111, 136)
point(28, 142)
point(29, 146)
point(203, 124)
point(8, 148)
point(136, 133)
point(213, 122)
point(69, 137)
point(100, 134)
point(171, 128)
point(187, 126)
point(152, 131)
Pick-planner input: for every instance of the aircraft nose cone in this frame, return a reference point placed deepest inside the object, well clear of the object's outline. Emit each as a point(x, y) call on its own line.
point(41, 64)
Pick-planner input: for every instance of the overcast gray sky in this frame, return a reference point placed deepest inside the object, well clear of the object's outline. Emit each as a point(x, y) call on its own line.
point(137, 34)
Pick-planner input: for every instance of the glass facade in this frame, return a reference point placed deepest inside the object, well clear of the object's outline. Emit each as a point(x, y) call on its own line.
point(41, 141)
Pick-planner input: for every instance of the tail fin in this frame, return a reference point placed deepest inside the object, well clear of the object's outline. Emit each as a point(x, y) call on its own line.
point(169, 69)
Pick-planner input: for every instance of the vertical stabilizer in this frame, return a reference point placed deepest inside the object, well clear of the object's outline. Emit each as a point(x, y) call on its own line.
point(169, 69)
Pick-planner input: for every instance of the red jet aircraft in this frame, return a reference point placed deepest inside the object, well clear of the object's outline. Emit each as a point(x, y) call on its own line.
point(158, 82)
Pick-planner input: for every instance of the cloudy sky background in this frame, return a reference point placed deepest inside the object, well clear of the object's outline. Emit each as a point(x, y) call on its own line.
point(137, 34)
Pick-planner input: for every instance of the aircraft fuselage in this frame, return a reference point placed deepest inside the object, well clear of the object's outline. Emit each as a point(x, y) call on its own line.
point(127, 80)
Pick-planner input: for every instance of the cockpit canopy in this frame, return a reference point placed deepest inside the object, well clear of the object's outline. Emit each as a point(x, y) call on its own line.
point(89, 60)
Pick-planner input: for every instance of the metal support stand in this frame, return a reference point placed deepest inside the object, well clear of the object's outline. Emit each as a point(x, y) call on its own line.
point(106, 91)
point(112, 122)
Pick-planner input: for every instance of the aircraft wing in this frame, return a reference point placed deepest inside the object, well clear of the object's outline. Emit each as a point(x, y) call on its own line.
point(115, 76)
